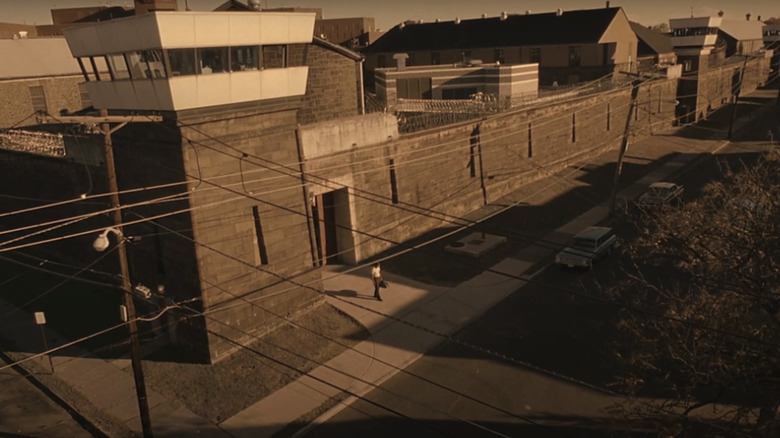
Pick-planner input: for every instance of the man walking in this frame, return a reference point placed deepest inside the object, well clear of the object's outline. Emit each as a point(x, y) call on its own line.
point(376, 277)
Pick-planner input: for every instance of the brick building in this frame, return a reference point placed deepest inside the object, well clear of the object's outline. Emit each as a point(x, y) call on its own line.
point(43, 77)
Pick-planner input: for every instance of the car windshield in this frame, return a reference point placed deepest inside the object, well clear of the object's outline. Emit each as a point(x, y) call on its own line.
point(584, 243)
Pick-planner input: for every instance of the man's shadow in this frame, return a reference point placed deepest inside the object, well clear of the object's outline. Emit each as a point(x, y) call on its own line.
point(349, 293)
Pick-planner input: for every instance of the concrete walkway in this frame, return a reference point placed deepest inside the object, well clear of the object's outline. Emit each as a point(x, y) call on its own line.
point(403, 327)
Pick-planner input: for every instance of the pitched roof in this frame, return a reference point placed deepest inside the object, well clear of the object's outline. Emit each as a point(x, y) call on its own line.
point(743, 30)
point(571, 27)
point(233, 5)
point(37, 57)
point(651, 41)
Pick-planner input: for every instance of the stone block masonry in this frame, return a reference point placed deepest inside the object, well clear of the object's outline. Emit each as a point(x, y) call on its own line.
point(405, 187)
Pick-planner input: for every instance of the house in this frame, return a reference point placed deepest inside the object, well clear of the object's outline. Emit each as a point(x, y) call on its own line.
point(569, 46)
point(743, 37)
point(654, 50)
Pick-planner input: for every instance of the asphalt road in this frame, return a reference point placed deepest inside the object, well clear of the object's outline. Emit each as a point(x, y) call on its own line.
point(538, 364)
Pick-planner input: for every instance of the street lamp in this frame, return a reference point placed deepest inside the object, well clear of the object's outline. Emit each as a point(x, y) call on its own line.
point(100, 244)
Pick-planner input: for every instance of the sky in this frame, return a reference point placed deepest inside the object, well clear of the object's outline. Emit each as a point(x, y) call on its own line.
point(389, 13)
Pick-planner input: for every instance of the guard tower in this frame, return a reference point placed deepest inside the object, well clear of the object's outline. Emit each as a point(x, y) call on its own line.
point(232, 239)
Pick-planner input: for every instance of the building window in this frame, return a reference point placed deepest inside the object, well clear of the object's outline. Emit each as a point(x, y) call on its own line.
point(182, 61)
point(575, 56)
point(84, 95)
point(213, 60)
point(274, 56)
point(137, 66)
point(393, 183)
point(687, 65)
point(261, 256)
point(38, 98)
point(154, 64)
point(535, 55)
point(117, 66)
point(244, 58)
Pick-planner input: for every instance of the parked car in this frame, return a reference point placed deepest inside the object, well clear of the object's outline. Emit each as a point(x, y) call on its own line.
point(590, 245)
point(661, 193)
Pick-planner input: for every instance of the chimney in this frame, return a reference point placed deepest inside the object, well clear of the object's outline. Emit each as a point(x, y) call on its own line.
point(527, 12)
point(503, 15)
point(747, 16)
point(400, 61)
point(457, 20)
point(559, 12)
point(484, 16)
point(607, 4)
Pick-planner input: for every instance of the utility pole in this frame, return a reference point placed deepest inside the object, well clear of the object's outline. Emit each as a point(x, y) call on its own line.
point(624, 143)
point(736, 97)
point(135, 344)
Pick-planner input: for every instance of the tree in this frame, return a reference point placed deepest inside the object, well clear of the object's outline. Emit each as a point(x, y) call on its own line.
point(661, 27)
point(706, 279)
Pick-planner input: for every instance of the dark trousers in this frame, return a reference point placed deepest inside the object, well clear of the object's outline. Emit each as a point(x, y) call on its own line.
point(377, 282)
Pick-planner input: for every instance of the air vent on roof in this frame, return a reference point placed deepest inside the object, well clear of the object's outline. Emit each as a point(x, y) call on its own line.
point(527, 12)
point(503, 15)
point(559, 12)
point(457, 20)
point(484, 15)
point(402, 25)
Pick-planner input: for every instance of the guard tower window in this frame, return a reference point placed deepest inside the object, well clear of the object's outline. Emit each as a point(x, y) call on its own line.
point(117, 66)
point(182, 61)
point(213, 60)
point(244, 58)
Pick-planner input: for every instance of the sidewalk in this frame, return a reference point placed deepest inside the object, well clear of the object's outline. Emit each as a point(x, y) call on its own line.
point(418, 314)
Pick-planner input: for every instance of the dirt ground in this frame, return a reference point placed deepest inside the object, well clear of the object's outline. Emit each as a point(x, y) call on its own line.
point(217, 392)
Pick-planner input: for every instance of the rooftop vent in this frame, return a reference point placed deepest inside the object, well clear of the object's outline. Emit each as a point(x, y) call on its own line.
point(484, 15)
point(527, 12)
point(559, 12)
point(457, 20)
point(255, 4)
point(503, 15)
point(400, 60)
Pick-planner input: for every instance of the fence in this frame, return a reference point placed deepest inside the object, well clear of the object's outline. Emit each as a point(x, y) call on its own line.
point(39, 143)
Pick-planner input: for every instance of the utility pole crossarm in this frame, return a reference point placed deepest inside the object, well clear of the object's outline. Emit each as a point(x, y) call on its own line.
point(94, 120)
